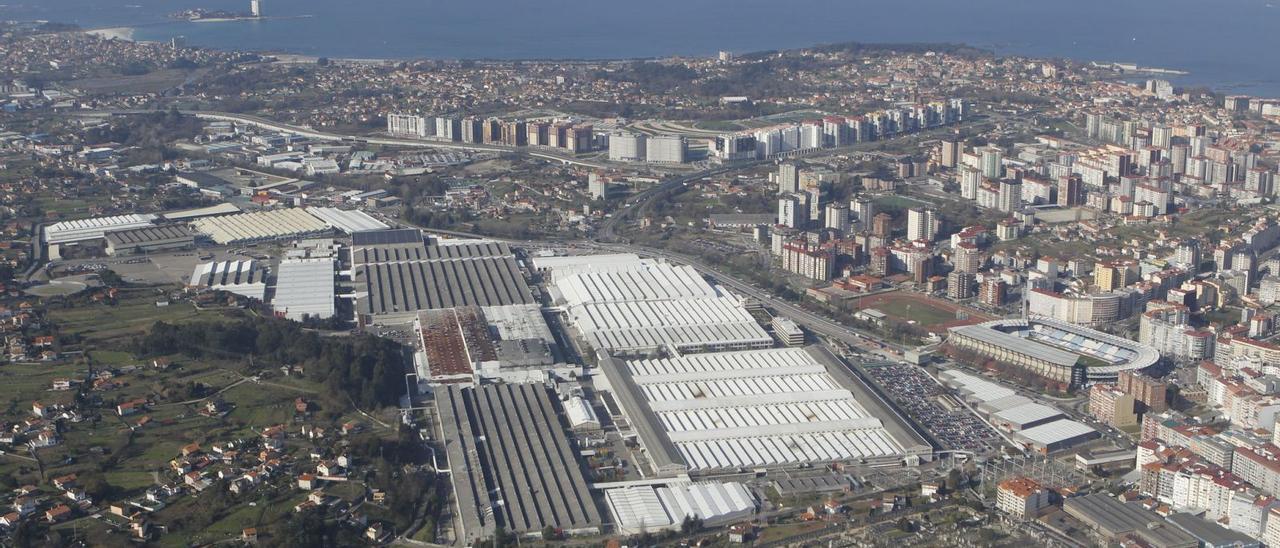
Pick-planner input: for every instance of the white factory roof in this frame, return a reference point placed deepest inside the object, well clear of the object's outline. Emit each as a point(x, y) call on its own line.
point(580, 413)
point(260, 225)
point(689, 323)
point(973, 388)
point(574, 261)
point(757, 408)
point(637, 509)
point(240, 277)
point(648, 305)
point(94, 228)
point(649, 508)
point(712, 502)
point(1055, 432)
point(997, 405)
point(1027, 413)
point(643, 282)
point(559, 267)
point(349, 221)
point(305, 287)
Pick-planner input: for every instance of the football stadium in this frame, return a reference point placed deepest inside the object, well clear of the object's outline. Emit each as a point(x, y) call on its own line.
point(1054, 349)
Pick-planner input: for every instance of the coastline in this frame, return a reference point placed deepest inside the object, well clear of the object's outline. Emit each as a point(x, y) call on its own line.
point(1181, 77)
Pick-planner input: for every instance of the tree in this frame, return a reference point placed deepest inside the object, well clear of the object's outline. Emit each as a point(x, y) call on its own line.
point(906, 526)
point(110, 278)
point(96, 487)
point(690, 525)
point(305, 529)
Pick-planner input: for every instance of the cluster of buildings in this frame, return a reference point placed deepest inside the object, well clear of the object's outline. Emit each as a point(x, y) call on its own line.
point(1119, 404)
point(1140, 170)
point(1036, 427)
point(821, 239)
point(835, 131)
point(567, 135)
point(626, 146)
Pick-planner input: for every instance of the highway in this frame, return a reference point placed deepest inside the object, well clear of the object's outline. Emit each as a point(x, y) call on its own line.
point(264, 123)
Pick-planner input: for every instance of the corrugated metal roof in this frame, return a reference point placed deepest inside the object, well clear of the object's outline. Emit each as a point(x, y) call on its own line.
point(305, 287)
point(349, 221)
point(94, 228)
point(1055, 432)
point(1027, 413)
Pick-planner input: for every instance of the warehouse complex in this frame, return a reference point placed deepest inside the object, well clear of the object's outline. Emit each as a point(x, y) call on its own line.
point(223, 224)
point(757, 409)
point(1056, 350)
point(561, 266)
point(1114, 520)
point(513, 466)
point(636, 307)
point(396, 279)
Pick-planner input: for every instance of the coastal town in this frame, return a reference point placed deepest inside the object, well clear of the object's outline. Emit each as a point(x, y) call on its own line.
point(845, 295)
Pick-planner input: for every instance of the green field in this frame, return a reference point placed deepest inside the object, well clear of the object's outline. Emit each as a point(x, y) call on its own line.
point(915, 311)
point(134, 312)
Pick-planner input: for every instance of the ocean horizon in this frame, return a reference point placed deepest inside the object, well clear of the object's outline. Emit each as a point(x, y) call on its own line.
point(1221, 50)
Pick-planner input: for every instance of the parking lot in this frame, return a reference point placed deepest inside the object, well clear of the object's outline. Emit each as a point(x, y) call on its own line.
point(953, 425)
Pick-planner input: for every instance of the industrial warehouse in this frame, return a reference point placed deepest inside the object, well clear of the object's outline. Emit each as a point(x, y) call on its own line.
point(1056, 350)
point(274, 224)
point(395, 280)
point(305, 288)
point(1035, 426)
point(83, 231)
point(151, 239)
point(757, 409)
point(246, 277)
point(463, 345)
point(635, 307)
point(348, 221)
point(513, 466)
point(643, 508)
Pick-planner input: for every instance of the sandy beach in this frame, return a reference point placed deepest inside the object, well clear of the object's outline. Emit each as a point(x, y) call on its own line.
point(117, 33)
